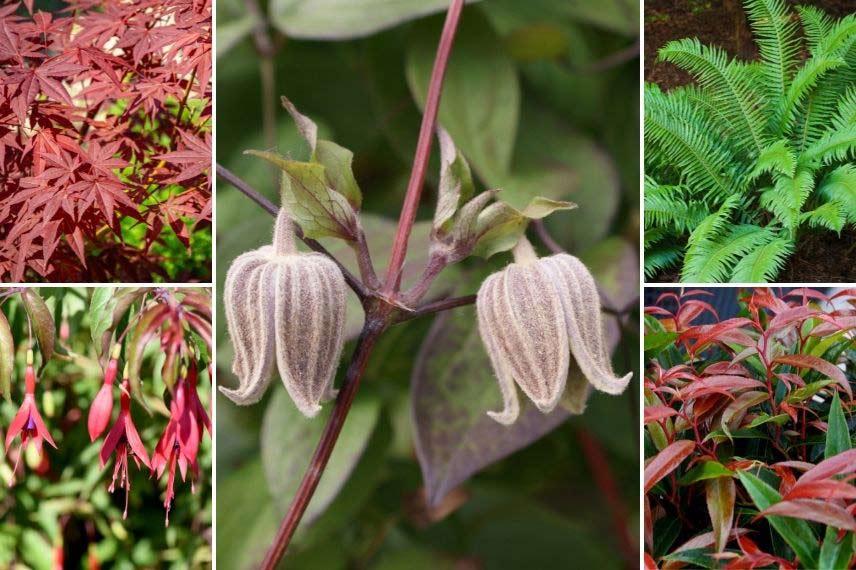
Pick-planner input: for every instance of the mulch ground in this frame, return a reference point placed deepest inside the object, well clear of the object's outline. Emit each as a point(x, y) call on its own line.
point(821, 257)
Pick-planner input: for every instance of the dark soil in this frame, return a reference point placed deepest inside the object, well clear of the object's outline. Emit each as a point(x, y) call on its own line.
point(821, 257)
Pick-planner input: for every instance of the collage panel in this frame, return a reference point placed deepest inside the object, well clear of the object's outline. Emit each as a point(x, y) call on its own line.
point(748, 435)
point(750, 141)
point(105, 141)
point(372, 413)
point(106, 426)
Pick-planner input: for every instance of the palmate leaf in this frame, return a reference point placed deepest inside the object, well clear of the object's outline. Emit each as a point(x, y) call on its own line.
point(763, 264)
point(712, 261)
point(729, 83)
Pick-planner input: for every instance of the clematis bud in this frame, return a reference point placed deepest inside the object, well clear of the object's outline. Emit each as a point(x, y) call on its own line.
point(289, 307)
point(532, 315)
point(102, 406)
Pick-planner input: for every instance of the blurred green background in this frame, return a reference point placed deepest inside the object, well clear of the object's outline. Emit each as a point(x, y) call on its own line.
point(542, 98)
point(63, 502)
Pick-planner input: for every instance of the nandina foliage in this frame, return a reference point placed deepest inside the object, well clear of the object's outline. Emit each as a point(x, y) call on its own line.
point(748, 430)
point(104, 139)
point(72, 431)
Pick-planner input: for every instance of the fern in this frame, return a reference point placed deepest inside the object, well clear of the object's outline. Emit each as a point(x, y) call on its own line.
point(755, 151)
point(709, 261)
point(662, 257)
point(763, 264)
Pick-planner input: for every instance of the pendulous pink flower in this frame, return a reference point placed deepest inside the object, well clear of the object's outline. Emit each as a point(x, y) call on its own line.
point(125, 441)
point(28, 422)
point(102, 406)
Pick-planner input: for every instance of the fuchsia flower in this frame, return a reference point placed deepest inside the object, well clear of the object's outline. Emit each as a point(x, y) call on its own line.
point(102, 406)
point(179, 444)
point(124, 440)
point(28, 422)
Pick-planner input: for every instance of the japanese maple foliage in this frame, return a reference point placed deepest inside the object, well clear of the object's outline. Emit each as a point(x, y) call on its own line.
point(749, 431)
point(105, 144)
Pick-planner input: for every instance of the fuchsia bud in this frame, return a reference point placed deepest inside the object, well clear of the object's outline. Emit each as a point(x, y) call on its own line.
point(102, 406)
point(28, 422)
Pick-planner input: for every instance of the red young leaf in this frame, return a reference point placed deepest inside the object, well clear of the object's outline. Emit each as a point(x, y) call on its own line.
point(813, 510)
point(815, 363)
point(666, 461)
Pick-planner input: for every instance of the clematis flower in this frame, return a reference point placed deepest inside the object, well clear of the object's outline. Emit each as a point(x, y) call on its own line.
point(290, 306)
point(102, 406)
point(532, 316)
point(28, 422)
point(125, 442)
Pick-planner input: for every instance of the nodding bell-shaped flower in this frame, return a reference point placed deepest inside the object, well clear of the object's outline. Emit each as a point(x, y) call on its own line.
point(28, 421)
point(532, 316)
point(102, 406)
point(287, 306)
point(125, 441)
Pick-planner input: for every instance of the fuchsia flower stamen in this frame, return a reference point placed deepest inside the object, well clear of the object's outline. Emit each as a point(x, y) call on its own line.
point(125, 441)
point(28, 422)
point(102, 405)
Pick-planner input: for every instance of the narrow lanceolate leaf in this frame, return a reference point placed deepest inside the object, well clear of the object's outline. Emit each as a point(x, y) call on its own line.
point(319, 210)
point(813, 510)
point(667, 461)
point(720, 493)
point(657, 413)
point(834, 553)
point(797, 533)
point(823, 489)
point(837, 435)
point(101, 312)
point(826, 368)
point(841, 464)
point(7, 356)
point(42, 321)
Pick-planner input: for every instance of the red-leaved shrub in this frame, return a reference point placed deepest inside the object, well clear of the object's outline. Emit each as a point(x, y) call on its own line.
point(105, 151)
point(748, 431)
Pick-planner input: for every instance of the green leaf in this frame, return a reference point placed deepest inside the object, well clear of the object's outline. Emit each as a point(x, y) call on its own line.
point(807, 391)
point(101, 309)
point(499, 226)
point(287, 442)
point(837, 435)
point(835, 554)
point(7, 356)
point(42, 321)
point(36, 550)
point(720, 493)
point(318, 210)
point(456, 183)
point(763, 418)
point(481, 92)
point(345, 19)
point(231, 33)
point(797, 533)
point(657, 342)
point(705, 470)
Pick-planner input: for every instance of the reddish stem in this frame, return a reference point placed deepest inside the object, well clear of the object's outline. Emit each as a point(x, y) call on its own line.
point(423, 150)
point(605, 481)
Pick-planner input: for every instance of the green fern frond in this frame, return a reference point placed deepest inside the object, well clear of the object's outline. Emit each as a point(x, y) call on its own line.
point(840, 37)
point(712, 261)
point(777, 157)
point(714, 224)
point(788, 197)
point(671, 207)
point(816, 25)
point(661, 257)
point(845, 117)
point(802, 85)
point(835, 145)
point(727, 82)
point(830, 216)
point(763, 264)
point(839, 186)
point(778, 43)
point(674, 129)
